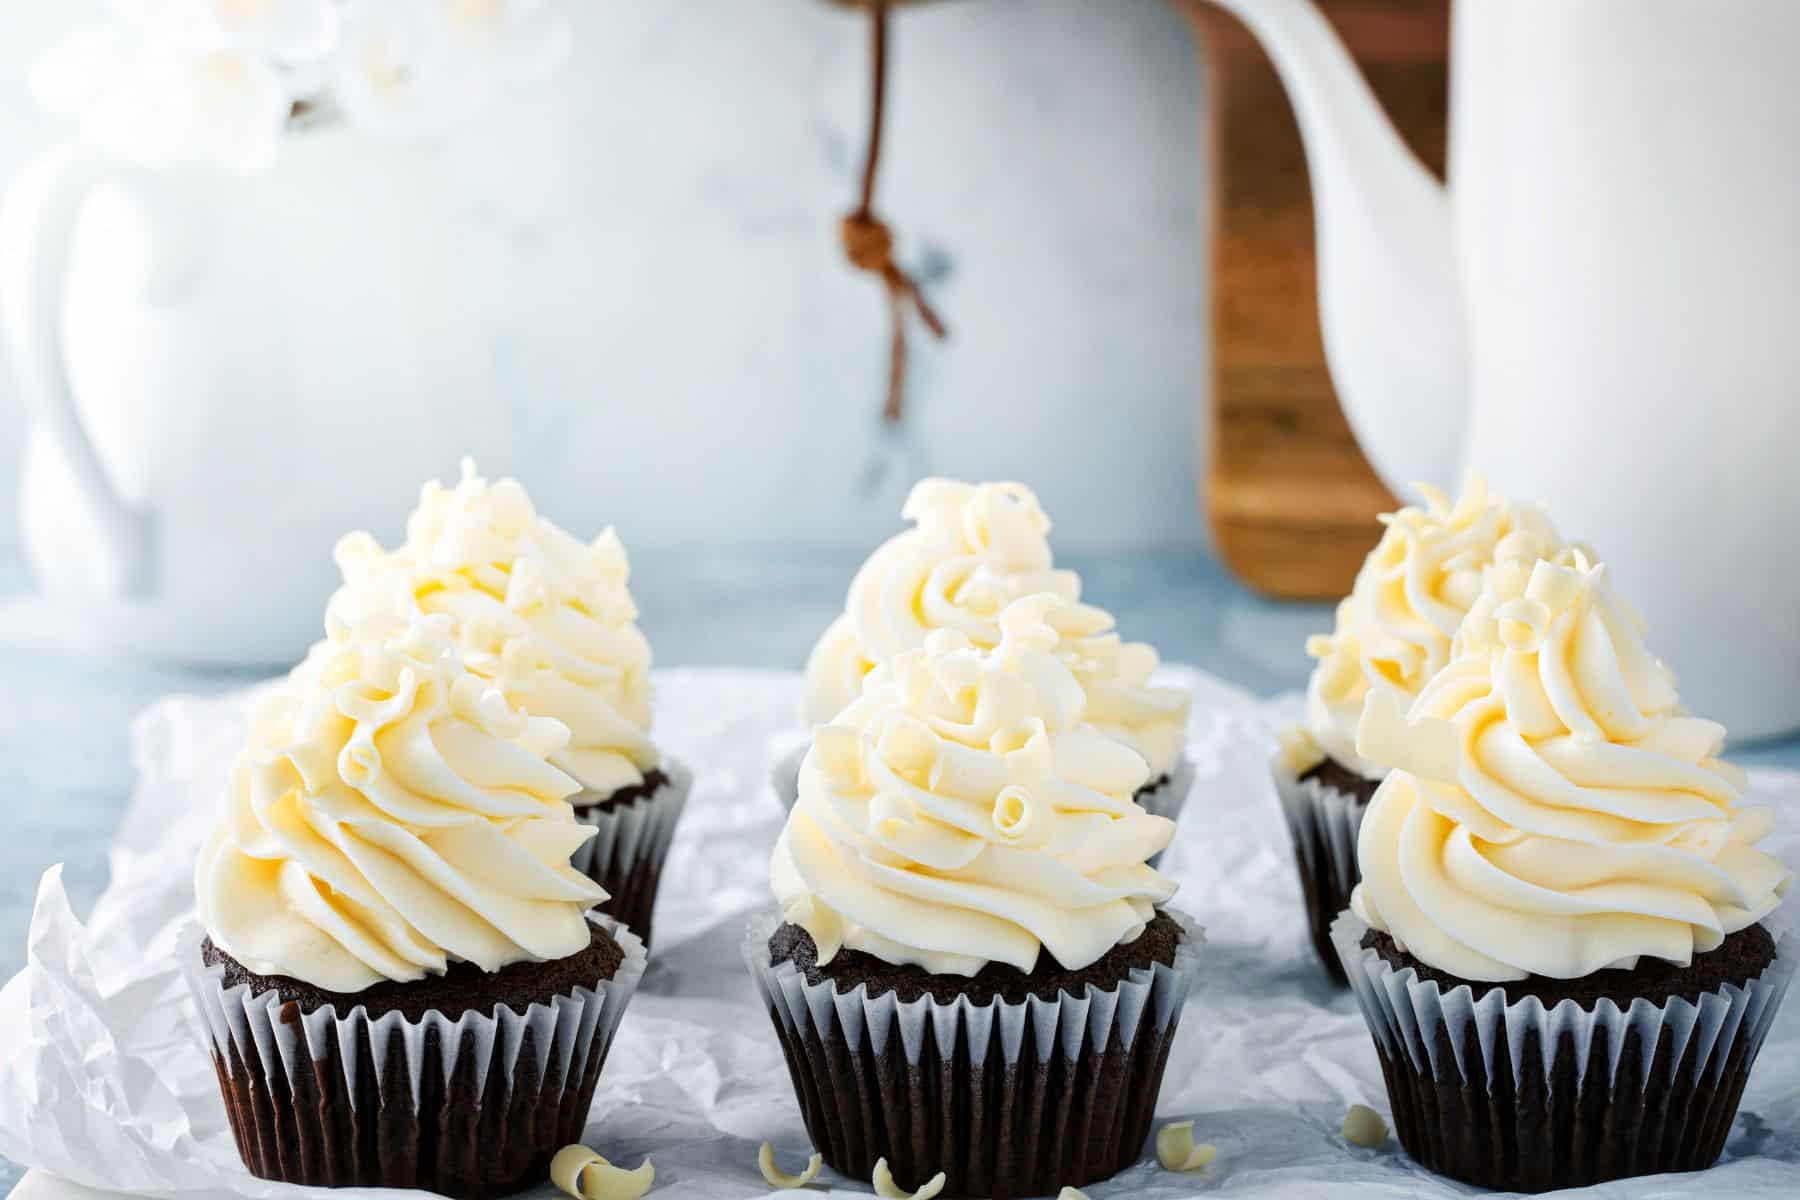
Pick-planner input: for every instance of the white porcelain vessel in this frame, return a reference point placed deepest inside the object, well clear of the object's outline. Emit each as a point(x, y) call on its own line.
point(224, 372)
point(670, 331)
point(1601, 308)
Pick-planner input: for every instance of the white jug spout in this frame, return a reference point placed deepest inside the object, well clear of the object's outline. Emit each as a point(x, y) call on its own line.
point(1389, 298)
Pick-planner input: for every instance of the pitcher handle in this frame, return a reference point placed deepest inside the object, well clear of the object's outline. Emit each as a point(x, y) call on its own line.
point(37, 224)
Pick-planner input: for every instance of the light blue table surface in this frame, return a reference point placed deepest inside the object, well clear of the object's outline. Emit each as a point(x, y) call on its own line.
point(65, 716)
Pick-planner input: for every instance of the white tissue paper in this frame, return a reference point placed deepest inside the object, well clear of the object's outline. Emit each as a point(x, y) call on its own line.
point(105, 1080)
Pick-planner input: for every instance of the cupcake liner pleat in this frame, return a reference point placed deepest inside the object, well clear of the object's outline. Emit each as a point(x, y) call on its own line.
point(1520, 1097)
point(473, 1106)
point(1324, 823)
point(627, 853)
point(1007, 1099)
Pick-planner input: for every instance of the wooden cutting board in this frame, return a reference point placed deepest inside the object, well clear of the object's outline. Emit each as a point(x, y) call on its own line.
point(1290, 498)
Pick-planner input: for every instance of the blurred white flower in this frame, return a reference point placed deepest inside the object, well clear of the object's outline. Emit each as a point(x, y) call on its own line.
point(510, 41)
point(415, 67)
point(216, 81)
point(71, 76)
point(393, 77)
point(167, 101)
point(287, 31)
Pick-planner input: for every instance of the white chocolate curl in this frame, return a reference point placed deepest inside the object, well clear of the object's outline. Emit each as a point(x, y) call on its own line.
point(776, 1177)
point(1364, 1127)
point(1552, 809)
point(586, 1175)
point(1176, 1151)
point(543, 617)
point(887, 1189)
point(965, 811)
point(1394, 629)
point(974, 549)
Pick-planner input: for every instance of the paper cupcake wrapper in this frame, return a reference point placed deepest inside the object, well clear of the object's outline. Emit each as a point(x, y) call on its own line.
point(1007, 1099)
point(626, 856)
point(472, 1106)
point(1520, 1097)
point(1324, 823)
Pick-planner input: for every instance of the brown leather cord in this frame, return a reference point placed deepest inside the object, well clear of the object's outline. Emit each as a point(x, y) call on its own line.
point(868, 243)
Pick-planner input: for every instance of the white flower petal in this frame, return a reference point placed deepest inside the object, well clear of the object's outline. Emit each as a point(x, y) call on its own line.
point(217, 107)
point(289, 31)
point(515, 40)
point(394, 74)
point(69, 78)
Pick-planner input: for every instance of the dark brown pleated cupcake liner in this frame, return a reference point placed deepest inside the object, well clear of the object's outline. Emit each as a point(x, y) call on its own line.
point(1517, 1097)
point(627, 853)
point(1006, 1099)
point(1324, 823)
point(473, 1106)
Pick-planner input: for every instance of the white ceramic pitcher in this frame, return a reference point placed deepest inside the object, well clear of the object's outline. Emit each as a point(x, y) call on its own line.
point(1603, 308)
point(225, 372)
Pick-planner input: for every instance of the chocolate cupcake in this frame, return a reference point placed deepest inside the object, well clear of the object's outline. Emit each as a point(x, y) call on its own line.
point(1564, 939)
point(1393, 633)
point(974, 549)
point(399, 972)
point(973, 971)
point(549, 621)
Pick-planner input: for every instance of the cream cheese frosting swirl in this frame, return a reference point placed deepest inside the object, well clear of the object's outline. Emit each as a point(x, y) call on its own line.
point(392, 814)
point(1394, 630)
point(1552, 810)
point(1122, 703)
point(974, 549)
point(963, 810)
point(547, 619)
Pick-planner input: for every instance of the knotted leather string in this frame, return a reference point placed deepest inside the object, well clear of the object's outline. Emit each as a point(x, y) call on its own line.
point(868, 243)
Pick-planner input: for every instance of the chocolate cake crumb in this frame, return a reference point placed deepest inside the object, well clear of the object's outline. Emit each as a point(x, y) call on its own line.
point(1149, 789)
point(654, 779)
point(1338, 777)
point(1157, 944)
point(464, 988)
point(1741, 958)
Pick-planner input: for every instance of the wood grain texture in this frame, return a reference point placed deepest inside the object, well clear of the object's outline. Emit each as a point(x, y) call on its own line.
point(1290, 497)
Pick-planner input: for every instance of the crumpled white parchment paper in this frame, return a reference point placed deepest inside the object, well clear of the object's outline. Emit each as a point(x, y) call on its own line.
point(103, 1079)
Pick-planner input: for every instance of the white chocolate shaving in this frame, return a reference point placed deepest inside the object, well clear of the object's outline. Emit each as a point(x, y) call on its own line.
point(765, 1160)
point(1176, 1151)
point(887, 1189)
point(586, 1175)
point(1363, 1126)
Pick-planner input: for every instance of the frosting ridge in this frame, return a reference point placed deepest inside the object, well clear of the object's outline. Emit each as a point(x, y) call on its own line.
point(1552, 810)
point(973, 550)
point(543, 617)
point(963, 810)
point(1393, 632)
point(391, 814)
